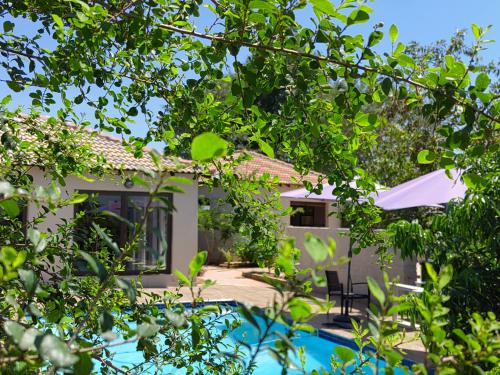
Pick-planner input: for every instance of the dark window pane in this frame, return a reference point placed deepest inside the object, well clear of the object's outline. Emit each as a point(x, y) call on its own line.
point(308, 214)
point(152, 246)
point(152, 249)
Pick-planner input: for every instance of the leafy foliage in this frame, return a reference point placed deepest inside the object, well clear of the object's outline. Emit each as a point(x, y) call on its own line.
point(465, 237)
point(121, 61)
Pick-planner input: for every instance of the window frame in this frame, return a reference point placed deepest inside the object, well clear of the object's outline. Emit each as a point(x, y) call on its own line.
point(295, 204)
point(124, 195)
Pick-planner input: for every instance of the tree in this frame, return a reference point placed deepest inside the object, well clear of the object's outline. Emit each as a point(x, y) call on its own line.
point(465, 237)
point(409, 130)
point(122, 60)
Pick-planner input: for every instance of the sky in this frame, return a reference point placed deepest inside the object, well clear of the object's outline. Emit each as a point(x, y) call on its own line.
point(424, 21)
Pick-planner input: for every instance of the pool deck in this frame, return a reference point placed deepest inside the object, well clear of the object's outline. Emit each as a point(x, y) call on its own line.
point(230, 284)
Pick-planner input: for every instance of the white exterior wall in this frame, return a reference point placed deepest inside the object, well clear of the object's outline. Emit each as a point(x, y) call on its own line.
point(184, 219)
point(363, 264)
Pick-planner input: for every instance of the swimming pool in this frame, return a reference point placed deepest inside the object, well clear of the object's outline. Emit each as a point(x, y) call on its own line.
point(318, 348)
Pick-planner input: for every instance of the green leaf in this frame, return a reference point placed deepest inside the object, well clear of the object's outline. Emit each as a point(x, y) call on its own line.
point(29, 280)
point(393, 357)
point(20, 259)
point(155, 158)
point(375, 290)
point(208, 146)
point(10, 207)
point(8, 254)
point(103, 235)
point(182, 278)
point(344, 353)
point(79, 99)
point(5, 101)
point(316, 248)
point(133, 111)
point(406, 61)
point(375, 37)
point(37, 239)
point(395, 309)
point(195, 334)
point(431, 272)
point(266, 148)
point(34, 310)
point(386, 86)
point(365, 119)
point(84, 365)
point(358, 16)
point(400, 48)
point(197, 262)
point(247, 314)
point(56, 351)
point(482, 81)
point(28, 339)
point(128, 288)
point(78, 198)
point(106, 321)
point(58, 21)
point(299, 309)
point(180, 180)
point(324, 6)
point(476, 30)
point(426, 157)
point(305, 327)
point(285, 264)
point(14, 330)
point(260, 4)
point(139, 181)
point(8, 26)
point(445, 276)
point(393, 33)
point(147, 329)
point(95, 265)
point(474, 181)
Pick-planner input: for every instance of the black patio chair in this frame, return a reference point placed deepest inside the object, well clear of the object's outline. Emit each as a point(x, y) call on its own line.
point(335, 288)
point(352, 295)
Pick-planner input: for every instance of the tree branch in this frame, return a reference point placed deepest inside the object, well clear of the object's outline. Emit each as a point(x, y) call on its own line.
point(222, 39)
point(110, 364)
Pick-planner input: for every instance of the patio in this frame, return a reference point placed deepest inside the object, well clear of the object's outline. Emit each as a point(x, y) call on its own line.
point(232, 285)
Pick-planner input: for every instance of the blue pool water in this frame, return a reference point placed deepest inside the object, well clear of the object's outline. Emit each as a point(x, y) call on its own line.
point(318, 350)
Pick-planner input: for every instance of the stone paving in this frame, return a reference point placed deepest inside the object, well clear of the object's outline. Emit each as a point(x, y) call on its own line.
point(231, 285)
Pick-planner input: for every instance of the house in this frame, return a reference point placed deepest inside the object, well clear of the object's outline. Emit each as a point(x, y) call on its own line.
point(116, 192)
point(318, 217)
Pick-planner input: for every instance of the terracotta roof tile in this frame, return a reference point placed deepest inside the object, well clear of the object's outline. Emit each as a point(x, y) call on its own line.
point(112, 149)
point(115, 153)
point(260, 164)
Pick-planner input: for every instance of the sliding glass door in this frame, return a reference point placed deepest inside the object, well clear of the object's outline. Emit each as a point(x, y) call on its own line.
point(148, 231)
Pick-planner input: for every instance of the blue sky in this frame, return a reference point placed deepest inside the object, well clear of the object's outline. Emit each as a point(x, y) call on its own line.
point(429, 20)
point(425, 21)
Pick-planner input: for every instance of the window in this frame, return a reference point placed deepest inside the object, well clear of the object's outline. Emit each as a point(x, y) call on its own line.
point(307, 214)
point(153, 252)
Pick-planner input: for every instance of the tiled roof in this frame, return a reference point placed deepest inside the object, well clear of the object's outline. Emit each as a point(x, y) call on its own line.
point(112, 149)
point(260, 164)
